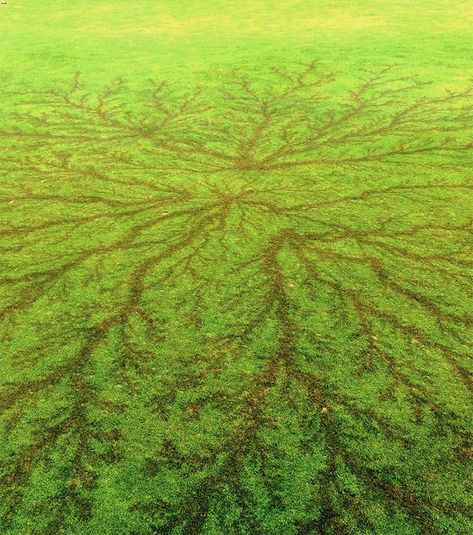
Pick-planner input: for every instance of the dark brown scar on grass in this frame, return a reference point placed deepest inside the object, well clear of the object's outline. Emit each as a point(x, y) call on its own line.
point(169, 182)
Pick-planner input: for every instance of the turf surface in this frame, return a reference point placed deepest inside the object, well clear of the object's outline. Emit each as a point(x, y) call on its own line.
point(236, 275)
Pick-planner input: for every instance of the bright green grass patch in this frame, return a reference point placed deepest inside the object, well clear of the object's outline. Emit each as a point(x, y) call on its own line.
point(237, 297)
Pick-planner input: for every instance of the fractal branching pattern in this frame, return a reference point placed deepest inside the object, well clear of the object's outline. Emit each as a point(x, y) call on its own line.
point(244, 308)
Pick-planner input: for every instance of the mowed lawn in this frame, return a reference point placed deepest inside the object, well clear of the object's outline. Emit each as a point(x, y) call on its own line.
point(236, 267)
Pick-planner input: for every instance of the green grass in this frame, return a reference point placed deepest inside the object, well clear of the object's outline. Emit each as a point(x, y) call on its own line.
point(236, 275)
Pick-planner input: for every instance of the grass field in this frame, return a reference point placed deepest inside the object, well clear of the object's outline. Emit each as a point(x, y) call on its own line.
point(236, 267)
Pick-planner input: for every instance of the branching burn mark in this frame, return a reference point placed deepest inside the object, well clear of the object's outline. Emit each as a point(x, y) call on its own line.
point(288, 262)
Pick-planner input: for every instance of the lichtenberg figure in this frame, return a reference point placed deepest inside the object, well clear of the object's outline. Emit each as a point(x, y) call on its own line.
point(244, 305)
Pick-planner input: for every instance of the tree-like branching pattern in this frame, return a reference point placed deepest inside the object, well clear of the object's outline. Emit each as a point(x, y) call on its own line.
point(241, 309)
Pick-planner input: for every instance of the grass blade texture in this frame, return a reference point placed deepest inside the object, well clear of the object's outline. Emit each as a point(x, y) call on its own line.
point(236, 267)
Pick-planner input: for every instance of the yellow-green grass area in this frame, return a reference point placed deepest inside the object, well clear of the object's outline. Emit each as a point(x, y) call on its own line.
point(236, 267)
